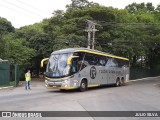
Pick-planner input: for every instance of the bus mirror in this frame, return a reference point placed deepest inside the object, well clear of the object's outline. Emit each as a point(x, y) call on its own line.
point(70, 59)
point(43, 60)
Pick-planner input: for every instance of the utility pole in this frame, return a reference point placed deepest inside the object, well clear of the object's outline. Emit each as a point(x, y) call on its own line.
point(89, 39)
point(91, 29)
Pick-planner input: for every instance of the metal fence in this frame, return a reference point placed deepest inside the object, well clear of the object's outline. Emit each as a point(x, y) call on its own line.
point(137, 73)
point(14, 74)
point(9, 74)
point(4, 74)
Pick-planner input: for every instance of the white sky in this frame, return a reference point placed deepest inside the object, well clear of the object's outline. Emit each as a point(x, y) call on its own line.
point(26, 12)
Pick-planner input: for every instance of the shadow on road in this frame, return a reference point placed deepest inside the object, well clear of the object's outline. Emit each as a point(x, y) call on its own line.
point(88, 90)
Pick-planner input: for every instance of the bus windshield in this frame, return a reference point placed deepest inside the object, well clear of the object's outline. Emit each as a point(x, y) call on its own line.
point(57, 65)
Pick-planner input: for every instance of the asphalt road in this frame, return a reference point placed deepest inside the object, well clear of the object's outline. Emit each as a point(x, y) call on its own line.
point(143, 95)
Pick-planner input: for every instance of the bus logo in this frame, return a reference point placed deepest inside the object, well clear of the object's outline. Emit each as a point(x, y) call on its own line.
point(93, 72)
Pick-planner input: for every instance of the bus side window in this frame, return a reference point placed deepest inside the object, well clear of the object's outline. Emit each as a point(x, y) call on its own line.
point(102, 61)
point(111, 63)
point(90, 59)
point(96, 59)
point(74, 66)
point(125, 63)
point(80, 63)
point(119, 63)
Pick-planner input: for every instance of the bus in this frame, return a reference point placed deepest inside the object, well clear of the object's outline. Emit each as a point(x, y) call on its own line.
point(82, 68)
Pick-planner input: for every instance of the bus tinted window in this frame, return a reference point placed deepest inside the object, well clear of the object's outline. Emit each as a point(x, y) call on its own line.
point(125, 63)
point(78, 62)
point(90, 59)
point(98, 60)
point(103, 60)
point(119, 63)
point(112, 62)
point(122, 63)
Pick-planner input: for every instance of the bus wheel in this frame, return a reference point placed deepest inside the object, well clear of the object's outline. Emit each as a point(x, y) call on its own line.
point(83, 86)
point(118, 83)
point(62, 90)
point(123, 81)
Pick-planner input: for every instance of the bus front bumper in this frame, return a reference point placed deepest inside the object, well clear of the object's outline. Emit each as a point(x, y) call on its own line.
point(58, 85)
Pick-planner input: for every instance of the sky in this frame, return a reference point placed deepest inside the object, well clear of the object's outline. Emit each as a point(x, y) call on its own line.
point(27, 12)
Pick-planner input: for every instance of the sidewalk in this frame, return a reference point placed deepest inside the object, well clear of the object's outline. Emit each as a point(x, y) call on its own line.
point(11, 86)
point(34, 82)
point(6, 87)
point(36, 88)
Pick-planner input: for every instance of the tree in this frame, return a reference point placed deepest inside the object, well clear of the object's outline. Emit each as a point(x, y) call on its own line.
point(132, 32)
point(142, 7)
point(16, 51)
point(2, 44)
point(5, 26)
point(79, 5)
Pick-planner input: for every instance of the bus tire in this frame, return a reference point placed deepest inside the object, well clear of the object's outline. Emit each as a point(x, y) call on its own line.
point(123, 81)
point(118, 83)
point(62, 90)
point(83, 86)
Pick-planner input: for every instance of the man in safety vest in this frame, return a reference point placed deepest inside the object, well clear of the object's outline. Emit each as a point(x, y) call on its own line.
point(28, 79)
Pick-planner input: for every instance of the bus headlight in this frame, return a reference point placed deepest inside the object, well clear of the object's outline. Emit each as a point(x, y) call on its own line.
point(66, 81)
point(46, 82)
point(75, 81)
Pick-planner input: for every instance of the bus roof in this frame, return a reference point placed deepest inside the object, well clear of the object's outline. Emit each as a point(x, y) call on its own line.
point(86, 50)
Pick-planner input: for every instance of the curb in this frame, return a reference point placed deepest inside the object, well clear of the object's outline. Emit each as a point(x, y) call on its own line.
point(147, 78)
point(6, 87)
point(20, 84)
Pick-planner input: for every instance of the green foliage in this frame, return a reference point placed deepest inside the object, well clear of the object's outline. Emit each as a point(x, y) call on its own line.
point(79, 5)
point(42, 43)
point(132, 32)
point(16, 51)
point(142, 7)
point(2, 43)
point(5, 26)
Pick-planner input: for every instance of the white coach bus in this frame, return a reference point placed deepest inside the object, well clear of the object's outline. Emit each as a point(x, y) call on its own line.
point(81, 68)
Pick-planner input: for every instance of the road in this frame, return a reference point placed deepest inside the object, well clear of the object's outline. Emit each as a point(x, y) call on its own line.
point(143, 95)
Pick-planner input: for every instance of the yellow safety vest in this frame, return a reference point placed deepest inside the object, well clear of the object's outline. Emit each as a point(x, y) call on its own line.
point(28, 76)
